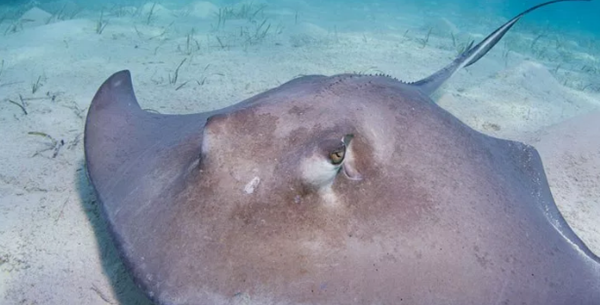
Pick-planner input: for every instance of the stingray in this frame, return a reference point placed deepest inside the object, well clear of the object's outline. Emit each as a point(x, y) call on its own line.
point(348, 189)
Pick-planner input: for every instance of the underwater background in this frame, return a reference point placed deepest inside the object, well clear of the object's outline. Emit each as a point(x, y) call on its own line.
point(193, 56)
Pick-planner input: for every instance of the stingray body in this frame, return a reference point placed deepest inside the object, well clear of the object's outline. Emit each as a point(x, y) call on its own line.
point(348, 189)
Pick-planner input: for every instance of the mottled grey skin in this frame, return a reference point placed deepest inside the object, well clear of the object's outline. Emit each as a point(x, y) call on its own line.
point(423, 210)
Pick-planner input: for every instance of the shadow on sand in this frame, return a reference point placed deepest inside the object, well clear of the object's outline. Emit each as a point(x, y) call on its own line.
point(124, 288)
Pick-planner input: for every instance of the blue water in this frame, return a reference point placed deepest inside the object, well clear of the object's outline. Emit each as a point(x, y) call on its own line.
point(574, 17)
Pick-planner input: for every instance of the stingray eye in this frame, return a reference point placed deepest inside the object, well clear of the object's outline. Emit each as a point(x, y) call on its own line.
point(337, 156)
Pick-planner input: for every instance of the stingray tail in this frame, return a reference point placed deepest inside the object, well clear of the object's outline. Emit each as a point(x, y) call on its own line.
point(472, 54)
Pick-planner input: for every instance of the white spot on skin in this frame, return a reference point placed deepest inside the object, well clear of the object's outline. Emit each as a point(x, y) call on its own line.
point(318, 172)
point(252, 185)
point(206, 139)
point(329, 196)
point(314, 245)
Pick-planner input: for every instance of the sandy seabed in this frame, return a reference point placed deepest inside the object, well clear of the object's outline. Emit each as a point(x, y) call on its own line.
point(54, 248)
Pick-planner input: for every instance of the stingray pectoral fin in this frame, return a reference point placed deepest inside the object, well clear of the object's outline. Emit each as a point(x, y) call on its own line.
point(119, 135)
point(472, 54)
point(527, 161)
point(132, 157)
point(116, 93)
point(124, 142)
